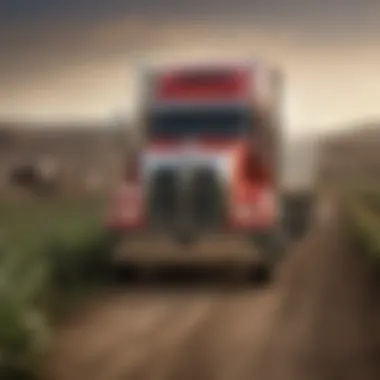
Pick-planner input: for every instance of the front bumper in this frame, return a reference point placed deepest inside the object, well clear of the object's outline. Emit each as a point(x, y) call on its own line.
point(209, 249)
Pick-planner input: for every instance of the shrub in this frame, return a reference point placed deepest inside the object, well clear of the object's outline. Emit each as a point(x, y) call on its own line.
point(45, 260)
point(364, 224)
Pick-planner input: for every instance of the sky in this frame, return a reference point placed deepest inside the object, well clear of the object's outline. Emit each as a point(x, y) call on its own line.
point(78, 59)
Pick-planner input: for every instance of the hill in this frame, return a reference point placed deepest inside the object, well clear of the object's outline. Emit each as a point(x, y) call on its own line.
point(84, 153)
point(95, 152)
point(352, 154)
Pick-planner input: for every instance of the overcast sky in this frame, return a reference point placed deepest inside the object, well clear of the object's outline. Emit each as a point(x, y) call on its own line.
point(75, 58)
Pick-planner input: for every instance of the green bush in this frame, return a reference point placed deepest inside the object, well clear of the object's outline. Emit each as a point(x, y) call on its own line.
point(49, 253)
point(364, 223)
point(24, 339)
point(76, 256)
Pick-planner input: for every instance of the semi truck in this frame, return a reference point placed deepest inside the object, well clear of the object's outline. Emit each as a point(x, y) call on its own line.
point(202, 181)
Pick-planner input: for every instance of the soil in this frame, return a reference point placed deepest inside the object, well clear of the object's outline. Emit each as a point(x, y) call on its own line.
point(319, 319)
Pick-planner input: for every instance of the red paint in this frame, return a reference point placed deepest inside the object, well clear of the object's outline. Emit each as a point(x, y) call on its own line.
point(230, 84)
point(249, 181)
point(126, 199)
point(247, 184)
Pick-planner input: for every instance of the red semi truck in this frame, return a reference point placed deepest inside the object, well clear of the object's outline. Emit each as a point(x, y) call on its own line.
point(202, 184)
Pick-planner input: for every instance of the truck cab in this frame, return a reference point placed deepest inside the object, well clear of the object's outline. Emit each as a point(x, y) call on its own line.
point(203, 183)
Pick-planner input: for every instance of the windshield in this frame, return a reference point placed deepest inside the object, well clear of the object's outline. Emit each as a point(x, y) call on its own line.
point(198, 122)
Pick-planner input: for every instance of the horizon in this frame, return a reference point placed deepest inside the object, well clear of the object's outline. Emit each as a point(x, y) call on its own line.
point(65, 64)
point(105, 123)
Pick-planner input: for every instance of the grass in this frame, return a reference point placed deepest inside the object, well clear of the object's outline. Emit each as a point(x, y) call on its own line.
point(362, 209)
point(50, 252)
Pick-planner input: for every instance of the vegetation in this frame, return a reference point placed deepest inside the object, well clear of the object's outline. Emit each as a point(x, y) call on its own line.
point(50, 252)
point(362, 207)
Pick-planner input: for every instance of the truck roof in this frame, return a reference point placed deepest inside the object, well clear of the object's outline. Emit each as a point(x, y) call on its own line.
point(187, 65)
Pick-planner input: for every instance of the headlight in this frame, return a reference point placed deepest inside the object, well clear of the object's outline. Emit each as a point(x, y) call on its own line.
point(244, 212)
point(129, 213)
point(267, 202)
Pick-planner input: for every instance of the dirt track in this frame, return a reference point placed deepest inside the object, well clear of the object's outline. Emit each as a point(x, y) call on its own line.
point(319, 320)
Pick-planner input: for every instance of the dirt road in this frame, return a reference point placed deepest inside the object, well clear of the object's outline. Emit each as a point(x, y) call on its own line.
point(319, 320)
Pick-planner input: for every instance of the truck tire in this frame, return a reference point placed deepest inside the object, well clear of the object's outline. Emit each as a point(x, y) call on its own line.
point(297, 216)
point(272, 245)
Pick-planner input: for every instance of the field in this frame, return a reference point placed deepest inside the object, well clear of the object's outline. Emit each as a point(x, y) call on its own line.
point(362, 213)
point(319, 319)
point(51, 251)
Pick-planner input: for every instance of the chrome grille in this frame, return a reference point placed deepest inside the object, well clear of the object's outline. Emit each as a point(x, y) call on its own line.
point(164, 198)
point(193, 199)
point(205, 198)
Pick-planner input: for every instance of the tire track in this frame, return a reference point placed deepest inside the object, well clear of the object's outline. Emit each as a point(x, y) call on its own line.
point(176, 329)
point(100, 331)
point(120, 332)
point(318, 321)
point(326, 327)
point(224, 346)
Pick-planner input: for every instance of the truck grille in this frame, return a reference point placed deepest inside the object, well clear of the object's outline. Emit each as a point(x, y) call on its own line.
point(198, 202)
point(164, 199)
point(205, 199)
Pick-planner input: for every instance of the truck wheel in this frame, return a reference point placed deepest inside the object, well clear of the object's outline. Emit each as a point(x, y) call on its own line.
point(272, 246)
point(121, 270)
point(261, 274)
point(298, 212)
